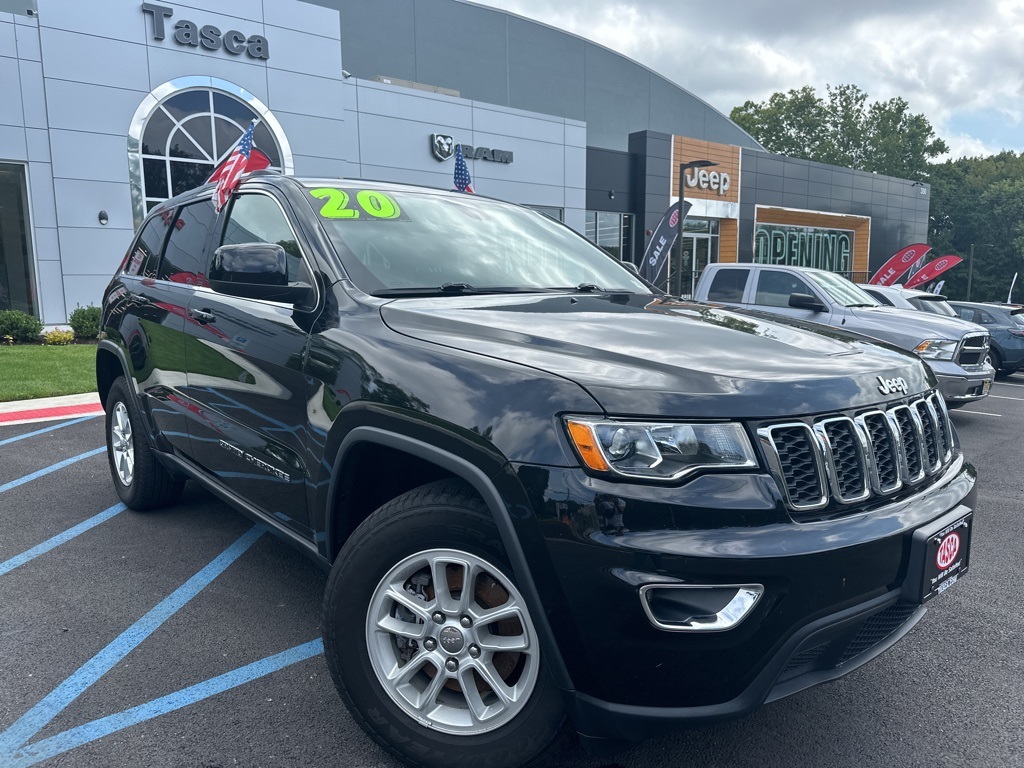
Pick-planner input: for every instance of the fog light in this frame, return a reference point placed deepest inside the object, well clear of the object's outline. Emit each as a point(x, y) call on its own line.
point(698, 607)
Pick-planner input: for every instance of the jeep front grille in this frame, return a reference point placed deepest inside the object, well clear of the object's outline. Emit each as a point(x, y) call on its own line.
point(973, 350)
point(843, 460)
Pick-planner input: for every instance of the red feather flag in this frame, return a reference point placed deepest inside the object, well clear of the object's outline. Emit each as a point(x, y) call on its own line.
point(933, 269)
point(901, 261)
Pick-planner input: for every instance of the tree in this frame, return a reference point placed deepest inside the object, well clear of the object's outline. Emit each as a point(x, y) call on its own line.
point(980, 201)
point(881, 137)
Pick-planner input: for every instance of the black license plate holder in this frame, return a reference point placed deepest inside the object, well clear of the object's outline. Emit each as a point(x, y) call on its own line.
point(940, 555)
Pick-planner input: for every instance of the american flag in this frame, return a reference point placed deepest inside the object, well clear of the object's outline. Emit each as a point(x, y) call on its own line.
point(228, 175)
point(462, 181)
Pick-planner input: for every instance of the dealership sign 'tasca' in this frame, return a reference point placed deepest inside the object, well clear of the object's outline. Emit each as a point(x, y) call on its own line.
point(208, 36)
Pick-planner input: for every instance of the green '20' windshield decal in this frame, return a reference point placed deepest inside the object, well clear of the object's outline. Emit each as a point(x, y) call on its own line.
point(369, 205)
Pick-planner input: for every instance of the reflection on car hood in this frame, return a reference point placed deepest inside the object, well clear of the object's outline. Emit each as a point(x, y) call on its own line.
point(894, 324)
point(646, 356)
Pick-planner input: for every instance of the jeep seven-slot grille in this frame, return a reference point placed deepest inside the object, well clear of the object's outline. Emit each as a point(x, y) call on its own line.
point(973, 349)
point(843, 460)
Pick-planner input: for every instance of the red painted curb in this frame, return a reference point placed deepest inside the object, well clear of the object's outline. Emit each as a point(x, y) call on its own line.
point(45, 413)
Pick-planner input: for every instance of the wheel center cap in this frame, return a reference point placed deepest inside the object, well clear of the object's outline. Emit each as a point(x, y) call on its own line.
point(452, 640)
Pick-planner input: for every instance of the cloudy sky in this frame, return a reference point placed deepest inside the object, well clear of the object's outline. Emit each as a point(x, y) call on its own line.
point(959, 63)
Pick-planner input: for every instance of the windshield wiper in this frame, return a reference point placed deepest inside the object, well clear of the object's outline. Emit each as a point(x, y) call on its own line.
point(458, 288)
point(451, 289)
point(857, 306)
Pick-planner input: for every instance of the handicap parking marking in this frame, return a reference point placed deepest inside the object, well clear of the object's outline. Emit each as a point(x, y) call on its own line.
point(37, 718)
point(30, 754)
point(18, 560)
point(49, 469)
point(47, 429)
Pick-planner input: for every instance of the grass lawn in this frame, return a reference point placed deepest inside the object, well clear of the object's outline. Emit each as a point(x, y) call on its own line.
point(36, 371)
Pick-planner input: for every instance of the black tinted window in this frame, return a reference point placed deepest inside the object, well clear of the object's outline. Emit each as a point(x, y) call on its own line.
point(259, 219)
point(183, 258)
point(881, 298)
point(774, 288)
point(728, 285)
point(146, 254)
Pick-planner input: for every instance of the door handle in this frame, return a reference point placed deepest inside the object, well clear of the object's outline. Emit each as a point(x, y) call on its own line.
point(202, 316)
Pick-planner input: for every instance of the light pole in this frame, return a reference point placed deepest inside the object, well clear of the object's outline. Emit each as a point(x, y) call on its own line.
point(683, 167)
point(970, 267)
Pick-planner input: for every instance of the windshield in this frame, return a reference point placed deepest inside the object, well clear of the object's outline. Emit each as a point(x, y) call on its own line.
point(935, 306)
point(394, 242)
point(842, 291)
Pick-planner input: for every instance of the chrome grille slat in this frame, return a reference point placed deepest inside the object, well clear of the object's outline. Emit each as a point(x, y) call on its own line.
point(973, 349)
point(845, 460)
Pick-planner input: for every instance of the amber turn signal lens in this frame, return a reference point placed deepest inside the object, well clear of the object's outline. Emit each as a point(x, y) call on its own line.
point(586, 443)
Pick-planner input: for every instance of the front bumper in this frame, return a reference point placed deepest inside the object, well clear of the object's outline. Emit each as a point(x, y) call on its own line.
point(832, 600)
point(958, 385)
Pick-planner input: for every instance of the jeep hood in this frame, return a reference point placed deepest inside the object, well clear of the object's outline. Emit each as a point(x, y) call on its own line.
point(640, 355)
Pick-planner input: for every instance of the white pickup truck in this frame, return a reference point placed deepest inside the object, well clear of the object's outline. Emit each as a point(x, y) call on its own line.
point(954, 349)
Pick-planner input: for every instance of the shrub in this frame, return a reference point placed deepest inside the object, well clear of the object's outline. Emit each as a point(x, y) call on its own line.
point(85, 322)
point(57, 338)
point(20, 326)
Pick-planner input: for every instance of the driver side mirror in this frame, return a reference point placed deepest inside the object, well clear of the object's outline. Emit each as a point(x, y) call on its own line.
point(255, 271)
point(806, 301)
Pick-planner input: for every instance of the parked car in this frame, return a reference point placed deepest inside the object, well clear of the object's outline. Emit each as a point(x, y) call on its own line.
point(549, 498)
point(955, 351)
point(910, 298)
point(1005, 325)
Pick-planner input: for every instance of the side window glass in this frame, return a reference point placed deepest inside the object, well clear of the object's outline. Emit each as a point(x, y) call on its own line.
point(882, 299)
point(966, 314)
point(985, 318)
point(259, 219)
point(184, 258)
point(145, 257)
point(774, 288)
point(728, 285)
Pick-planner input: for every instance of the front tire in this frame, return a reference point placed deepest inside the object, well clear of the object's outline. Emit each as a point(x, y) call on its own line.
point(437, 673)
point(140, 480)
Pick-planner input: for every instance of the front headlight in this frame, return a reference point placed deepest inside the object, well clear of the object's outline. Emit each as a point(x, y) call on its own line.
point(937, 349)
point(658, 451)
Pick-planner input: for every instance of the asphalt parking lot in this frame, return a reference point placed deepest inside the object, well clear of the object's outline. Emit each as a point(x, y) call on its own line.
point(189, 637)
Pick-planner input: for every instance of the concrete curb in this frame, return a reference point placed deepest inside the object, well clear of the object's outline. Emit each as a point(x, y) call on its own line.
point(49, 409)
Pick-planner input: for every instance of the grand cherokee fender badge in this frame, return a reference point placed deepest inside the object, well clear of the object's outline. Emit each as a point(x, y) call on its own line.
point(259, 463)
point(889, 386)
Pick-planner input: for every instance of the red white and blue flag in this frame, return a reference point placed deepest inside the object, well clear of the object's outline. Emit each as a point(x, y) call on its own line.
point(462, 181)
point(244, 159)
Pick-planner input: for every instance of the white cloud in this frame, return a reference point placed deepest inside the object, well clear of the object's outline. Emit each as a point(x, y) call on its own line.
point(960, 64)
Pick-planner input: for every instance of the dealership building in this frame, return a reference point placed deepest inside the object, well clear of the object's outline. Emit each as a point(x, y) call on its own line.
point(111, 106)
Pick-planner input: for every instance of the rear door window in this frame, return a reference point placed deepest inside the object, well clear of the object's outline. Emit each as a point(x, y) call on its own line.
point(184, 258)
point(145, 257)
point(728, 285)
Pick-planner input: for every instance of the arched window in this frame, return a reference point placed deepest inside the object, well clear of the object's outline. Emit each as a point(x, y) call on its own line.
point(185, 128)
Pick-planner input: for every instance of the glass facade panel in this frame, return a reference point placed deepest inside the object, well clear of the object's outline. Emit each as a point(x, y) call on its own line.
point(16, 285)
point(612, 232)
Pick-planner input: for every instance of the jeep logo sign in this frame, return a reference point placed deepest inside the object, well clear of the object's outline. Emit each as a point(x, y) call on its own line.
point(719, 182)
point(208, 36)
point(891, 386)
point(443, 147)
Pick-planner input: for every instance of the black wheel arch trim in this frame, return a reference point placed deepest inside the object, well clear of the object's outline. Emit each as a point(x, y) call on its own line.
point(106, 345)
point(485, 487)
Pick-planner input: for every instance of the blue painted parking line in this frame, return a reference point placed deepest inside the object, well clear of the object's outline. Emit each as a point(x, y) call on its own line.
point(49, 469)
point(48, 429)
point(29, 724)
point(18, 560)
point(30, 754)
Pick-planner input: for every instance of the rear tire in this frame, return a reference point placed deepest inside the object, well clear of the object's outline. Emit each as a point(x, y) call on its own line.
point(428, 669)
point(140, 480)
point(996, 362)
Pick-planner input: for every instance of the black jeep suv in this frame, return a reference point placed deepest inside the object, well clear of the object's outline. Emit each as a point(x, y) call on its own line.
point(550, 498)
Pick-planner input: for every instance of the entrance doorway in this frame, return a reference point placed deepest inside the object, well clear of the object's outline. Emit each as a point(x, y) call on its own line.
point(699, 248)
point(16, 289)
